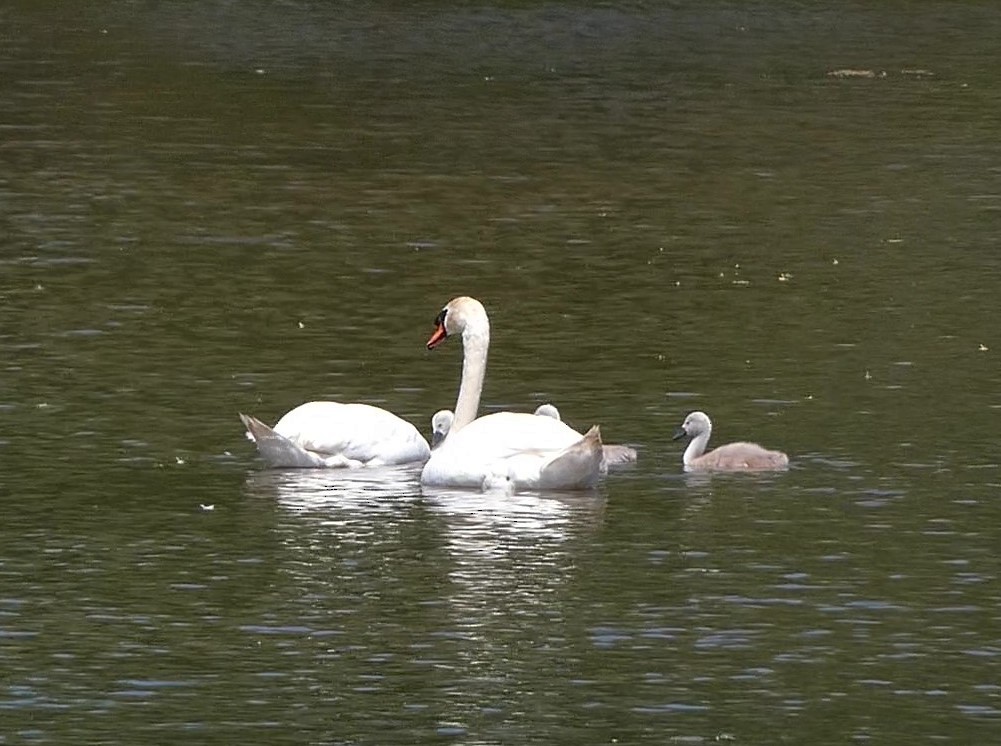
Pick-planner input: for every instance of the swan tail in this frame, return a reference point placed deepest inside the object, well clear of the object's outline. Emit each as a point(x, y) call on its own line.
point(277, 450)
point(579, 466)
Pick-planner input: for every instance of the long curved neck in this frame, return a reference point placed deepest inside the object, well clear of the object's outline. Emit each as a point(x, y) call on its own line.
point(475, 343)
point(696, 447)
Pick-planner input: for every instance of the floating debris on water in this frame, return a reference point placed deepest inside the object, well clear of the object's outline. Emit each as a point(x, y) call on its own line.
point(852, 72)
point(867, 74)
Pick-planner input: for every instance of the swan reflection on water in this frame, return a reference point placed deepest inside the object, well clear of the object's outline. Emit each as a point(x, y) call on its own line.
point(469, 521)
point(367, 553)
point(375, 489)
point(501, 519)
point(510, 556)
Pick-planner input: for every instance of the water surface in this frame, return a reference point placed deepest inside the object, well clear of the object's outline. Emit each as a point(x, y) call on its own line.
point(210, 208)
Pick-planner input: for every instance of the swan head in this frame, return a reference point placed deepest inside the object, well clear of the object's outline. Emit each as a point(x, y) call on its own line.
point(695, 424)
point(548, 410)
point(498, 482)
point(459, 315)
point(441, 423)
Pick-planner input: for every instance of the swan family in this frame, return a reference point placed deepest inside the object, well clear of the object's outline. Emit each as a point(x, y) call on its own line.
point(507, 451)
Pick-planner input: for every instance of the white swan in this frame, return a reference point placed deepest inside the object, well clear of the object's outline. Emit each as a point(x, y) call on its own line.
point(506, 450)
point(614, 455)
point(441, 423)
point(331, 434)
point(730, 457)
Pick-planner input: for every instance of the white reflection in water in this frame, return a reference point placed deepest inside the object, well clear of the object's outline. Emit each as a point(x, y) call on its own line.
point(469, 577)
point(498, 522)
point(512, 568)
point(510, 552)
point(375, 489)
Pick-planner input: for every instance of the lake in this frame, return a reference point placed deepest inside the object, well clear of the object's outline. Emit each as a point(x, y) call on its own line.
point(785, 214)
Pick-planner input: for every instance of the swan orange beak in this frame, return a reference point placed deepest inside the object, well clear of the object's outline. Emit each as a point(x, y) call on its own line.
point(438, 337)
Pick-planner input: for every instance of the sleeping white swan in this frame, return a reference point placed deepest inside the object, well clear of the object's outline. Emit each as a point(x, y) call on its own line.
point(504, 450)
point(614, 455)
point(730, 457)
point(331, 434)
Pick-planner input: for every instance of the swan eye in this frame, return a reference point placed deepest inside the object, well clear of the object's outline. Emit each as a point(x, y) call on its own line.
point(440, 318)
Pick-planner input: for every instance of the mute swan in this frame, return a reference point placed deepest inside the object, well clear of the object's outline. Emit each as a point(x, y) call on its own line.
point(331, 434)
point(731, 457)
point(441, 423)
point(615, 455)
point(509, 450)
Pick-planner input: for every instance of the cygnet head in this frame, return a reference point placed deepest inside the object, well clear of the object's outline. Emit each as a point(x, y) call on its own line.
point(498, 483)
point(548, 410)
point(441, 423)
point(458, 315)
point(695, 424)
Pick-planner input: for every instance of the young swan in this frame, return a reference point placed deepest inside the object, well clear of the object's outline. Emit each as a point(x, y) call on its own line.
point(731, 457)
point(441, 423)
point(548, 410)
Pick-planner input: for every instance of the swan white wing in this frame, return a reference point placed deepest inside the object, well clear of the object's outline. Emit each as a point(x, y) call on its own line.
point(353, 434)
point(504, 445)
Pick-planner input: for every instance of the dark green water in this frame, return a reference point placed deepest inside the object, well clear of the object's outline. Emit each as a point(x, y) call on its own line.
point(214, 207)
